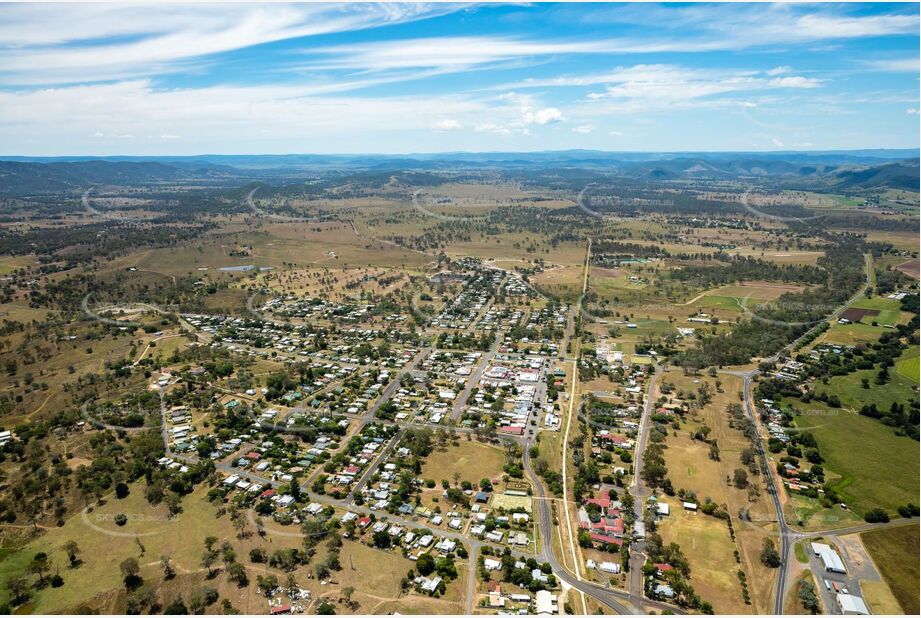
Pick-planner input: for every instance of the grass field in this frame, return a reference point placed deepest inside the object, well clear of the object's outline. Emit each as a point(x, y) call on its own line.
point(895, 552)
point(813, 516)
point(10, 263)
point(564, 282)
point(709, 549)
point(909, 365)
point(690, 467)
point(879, 598)
point(877, 467)
point(375, 575)
point(474, 461)
point(854, 396)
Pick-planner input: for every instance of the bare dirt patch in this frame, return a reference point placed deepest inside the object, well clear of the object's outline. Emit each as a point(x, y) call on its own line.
point(856, 314)
point(912, 268)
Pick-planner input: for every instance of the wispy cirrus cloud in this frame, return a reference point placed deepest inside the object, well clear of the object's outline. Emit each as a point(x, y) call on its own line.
point(895, 65)
point(737, 27)
point(216, 117)
point(102, 78)
point(455, 52)
point(661, 85)
point(699, 26)
point(700, 82)
point(44, 44)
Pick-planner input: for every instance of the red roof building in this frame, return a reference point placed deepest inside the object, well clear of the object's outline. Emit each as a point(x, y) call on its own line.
point(603, 501)
point(601, 538)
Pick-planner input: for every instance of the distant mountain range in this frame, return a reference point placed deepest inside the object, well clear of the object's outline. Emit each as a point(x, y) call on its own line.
point(850, 169)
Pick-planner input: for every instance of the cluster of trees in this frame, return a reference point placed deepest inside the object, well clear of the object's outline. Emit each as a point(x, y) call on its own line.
point(655, 472)
point(736, 269)
point(788, 317)
point(519, 576)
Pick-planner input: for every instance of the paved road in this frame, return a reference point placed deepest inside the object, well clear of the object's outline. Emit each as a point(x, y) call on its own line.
point(787, 535)
point(460, 402)
point(640, 492)
point(381, 458)
point(620, 601)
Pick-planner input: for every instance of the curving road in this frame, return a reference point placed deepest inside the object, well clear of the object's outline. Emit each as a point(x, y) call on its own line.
point(787, 535)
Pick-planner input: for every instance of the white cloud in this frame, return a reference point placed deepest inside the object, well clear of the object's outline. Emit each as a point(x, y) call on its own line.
point(896, 65)
point(777, 142)
point(728, 30)
point(794, 81)
point(583, 128)
point(448, 124)
point(457, 52)
point(616, 133)
point(221, 118)
point(778, 71)
point(647, 87)
point(45, 44)
point(912, 110)
point(544, 116)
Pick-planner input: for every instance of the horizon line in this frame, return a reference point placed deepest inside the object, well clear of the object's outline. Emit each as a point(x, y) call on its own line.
point(464, 152)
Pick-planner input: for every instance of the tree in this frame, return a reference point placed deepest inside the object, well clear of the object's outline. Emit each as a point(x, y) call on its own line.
point(326, 609)
point(267, 583)
point(40, 566)
point(208, 558)
point(425, 564)
point(121, 490)
point(347, 592)
point(202, 598)
point(714, 451)
point(807, 596)
point(740, 478)
point(168, 571)
point(72, 550)
point(140, 600)
point(130, 569)
point(236, 572)
point(769, 556)
point(176, 608)
point(876, 515)
point(18, 588)
point(381, 539)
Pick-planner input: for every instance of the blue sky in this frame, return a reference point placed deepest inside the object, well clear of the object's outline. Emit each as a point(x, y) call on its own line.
point(398, 78)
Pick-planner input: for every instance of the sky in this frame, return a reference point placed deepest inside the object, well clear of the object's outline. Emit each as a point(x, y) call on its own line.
point(161, 79)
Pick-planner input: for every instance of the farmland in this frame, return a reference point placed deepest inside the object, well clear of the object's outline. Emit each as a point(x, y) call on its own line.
point(342, 381)
point(868, 480)
point(895, 553)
